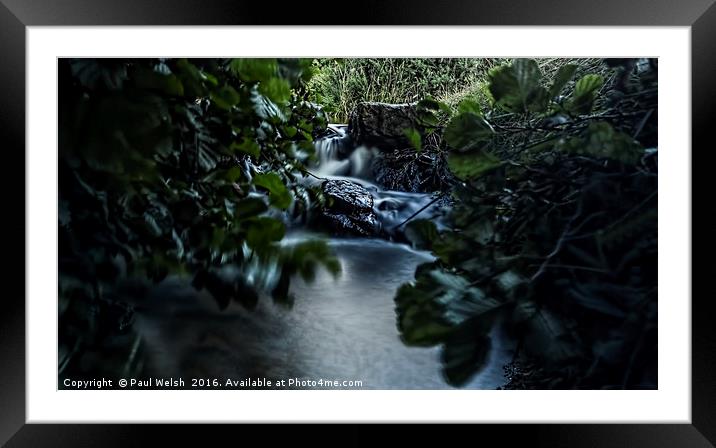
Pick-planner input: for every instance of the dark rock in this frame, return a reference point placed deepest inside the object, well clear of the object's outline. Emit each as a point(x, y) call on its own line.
point(365, 224)
point(349, 208)
point(406, 170)
point(382, 125)
point(347, 197)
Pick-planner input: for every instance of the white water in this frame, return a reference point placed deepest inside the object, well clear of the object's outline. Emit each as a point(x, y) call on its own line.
point(338, 329)
point(342, 329)
point(337, 160)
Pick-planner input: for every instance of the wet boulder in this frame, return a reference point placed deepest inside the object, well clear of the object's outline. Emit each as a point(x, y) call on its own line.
point(347, 196)
point(408, 170)
point(382, 125)
point(349, 208)
point(364, 224)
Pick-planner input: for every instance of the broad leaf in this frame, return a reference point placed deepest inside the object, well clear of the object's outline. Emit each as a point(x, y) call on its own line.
point(414, 137)
point(264, 231)
point(585, 92)
point(419, 318)
point(166, 83)
point(601, 140)
point(469, 105)
point(249, 207)
point(247, 146)
point(276, 89)
point(467, 131)
point(464, 355)
point(255, 69)
point(563, 76)
point(467, 166)
point(225, 97)
point(421, 233)
point(513, 86)
point(528, 75)
point(279, 196)
point(537, 100)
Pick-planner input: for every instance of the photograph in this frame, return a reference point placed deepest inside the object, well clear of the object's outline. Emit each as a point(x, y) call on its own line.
point(357, 223)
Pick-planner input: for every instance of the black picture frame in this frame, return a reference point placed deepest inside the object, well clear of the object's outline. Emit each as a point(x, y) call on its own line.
point(16, 15)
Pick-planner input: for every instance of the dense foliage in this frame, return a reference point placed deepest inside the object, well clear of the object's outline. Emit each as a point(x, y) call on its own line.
point(188, 167)
point(340, 84)
point(176, 166)
point(554, 230)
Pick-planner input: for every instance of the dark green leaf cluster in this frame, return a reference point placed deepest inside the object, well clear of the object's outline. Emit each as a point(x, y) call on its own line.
point(519, 87)
point(553, 235)
point(177, 166)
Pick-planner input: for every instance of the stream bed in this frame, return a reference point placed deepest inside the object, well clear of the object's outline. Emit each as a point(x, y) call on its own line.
point(338, 329)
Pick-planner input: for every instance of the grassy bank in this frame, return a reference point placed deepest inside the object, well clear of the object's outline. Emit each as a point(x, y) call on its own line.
point(338, 84)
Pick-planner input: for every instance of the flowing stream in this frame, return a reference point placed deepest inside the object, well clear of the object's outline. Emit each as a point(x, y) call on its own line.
point(339, 328)
point(339, 159)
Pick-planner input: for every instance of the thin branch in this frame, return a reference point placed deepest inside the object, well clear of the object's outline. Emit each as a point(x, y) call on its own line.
point(418, 212)
point(642, 123)
point(579, 268)
point(304, 171)
point(558, 246)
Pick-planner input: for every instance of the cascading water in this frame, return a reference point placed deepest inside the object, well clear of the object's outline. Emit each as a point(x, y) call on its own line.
point(339, 158)
point(338, 328)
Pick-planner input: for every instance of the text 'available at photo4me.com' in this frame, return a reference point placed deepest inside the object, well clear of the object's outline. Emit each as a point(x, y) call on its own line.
point(209, 383)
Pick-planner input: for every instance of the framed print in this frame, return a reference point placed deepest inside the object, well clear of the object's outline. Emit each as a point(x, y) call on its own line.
point(435, 214)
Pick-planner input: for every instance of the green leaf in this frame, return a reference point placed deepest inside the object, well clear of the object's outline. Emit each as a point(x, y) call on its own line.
point(469, 166)
point(601, 140)
point(250, 69)
point(207, 157)
point(426, 111)
point(249, 207)
point(421, 233)
point(469, 105)
point(191, 78)
point(585, 92)
point(504, 87)
point(512, 86)
point(295, 69)
point(166, 83)
point(430, 104)
point(263, 231)
point(208, 77)
point(458, 299)
point(467, 131)
point(414, 137)
point(265, 108)
point(276, 89)
point(234, 173)
point(563, 76)
point(280, 292)
point(226, 97)
point(538, 100)
point(305, 256)
point(527, 74)
point(419, 319)
point(279, 196)
point(247, 146)
point(588, 84)
point(464, 355)
point(290, 131)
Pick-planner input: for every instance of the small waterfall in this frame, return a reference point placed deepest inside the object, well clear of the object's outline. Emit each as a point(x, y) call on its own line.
point(340, 158)
point(340, 328)
point(337, 156)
